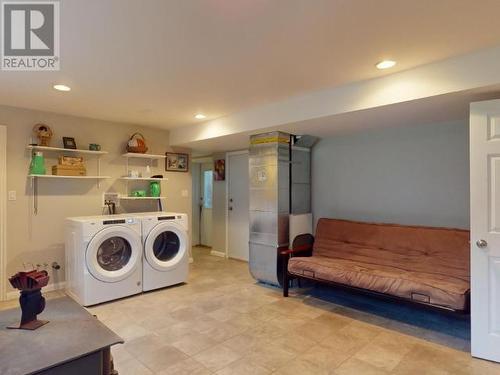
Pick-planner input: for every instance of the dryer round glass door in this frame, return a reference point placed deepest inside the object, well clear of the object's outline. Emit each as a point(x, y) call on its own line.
point(165, 246)
point(113, 253)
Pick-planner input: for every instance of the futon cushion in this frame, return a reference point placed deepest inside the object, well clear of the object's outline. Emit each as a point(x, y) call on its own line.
point(420, 263)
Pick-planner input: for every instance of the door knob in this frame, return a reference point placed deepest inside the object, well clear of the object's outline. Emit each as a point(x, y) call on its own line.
point(481, 244)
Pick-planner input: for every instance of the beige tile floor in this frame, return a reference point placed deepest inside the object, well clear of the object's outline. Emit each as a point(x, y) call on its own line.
point(222, 322)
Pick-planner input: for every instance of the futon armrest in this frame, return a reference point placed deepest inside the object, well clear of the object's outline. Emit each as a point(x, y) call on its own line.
point(296, 250)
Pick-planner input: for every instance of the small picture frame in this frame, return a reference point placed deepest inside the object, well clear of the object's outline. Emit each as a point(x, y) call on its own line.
point(219, 170)
point(69, 142)
point(176, 162)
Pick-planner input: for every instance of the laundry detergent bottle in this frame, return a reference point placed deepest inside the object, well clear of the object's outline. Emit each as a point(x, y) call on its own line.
point(37, 165)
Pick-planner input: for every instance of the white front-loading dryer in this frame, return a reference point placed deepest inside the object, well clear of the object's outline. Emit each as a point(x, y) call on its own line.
point(103, 258)
point(166, 249)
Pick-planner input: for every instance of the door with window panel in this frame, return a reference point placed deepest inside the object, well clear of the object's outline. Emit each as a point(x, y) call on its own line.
point(206, 204)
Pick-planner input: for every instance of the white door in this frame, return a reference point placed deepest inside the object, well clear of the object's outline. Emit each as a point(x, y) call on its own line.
point(206, 178)
point(238, 222)
point(485, 229)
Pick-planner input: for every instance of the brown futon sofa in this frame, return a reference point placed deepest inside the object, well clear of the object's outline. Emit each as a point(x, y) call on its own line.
point(420, 264)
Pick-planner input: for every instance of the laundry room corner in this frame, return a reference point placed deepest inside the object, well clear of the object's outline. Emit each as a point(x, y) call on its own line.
point(36, 221)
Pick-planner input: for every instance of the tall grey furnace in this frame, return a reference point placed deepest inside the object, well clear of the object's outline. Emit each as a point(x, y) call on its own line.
point(280, 184)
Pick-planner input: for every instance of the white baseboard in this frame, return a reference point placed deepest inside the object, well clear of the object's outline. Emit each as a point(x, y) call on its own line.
point(14, 294)
point(217, 253)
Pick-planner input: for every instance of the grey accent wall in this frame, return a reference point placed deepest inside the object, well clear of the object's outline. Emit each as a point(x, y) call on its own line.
point(410, 175)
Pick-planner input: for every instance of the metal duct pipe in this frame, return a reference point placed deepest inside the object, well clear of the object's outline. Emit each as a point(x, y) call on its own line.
point(280, 184)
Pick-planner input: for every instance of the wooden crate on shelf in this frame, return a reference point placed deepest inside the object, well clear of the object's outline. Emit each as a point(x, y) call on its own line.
point(69, 170)
point(71, 160)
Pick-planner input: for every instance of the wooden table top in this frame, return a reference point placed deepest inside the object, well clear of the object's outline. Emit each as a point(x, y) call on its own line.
point(72, 333)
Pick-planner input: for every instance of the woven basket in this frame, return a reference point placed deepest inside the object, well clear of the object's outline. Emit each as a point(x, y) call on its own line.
point(137, 144)
point(44, 134)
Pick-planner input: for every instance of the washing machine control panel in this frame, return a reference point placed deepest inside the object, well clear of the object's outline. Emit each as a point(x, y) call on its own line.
point(128, 220)
point(166, 218)
point(111, 222)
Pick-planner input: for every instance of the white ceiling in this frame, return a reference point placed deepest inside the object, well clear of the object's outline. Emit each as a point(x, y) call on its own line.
point(158, 62)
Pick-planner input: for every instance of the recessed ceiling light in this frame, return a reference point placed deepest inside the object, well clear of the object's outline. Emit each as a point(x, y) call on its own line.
point(385, 64)
point(200, 116)
point(62, 88)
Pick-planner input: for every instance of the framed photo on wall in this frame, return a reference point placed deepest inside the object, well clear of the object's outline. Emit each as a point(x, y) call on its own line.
point(219, 170)
point(176, 162)
point(69, 142)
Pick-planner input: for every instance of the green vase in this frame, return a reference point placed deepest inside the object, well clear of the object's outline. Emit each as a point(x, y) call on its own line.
point(37, 163)
point(155, 188)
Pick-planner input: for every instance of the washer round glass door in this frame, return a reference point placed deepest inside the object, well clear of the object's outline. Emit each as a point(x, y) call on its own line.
point(113, 253)
point(165, 246)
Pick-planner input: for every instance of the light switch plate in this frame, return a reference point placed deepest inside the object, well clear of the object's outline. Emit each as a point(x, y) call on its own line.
point(184, 193)
point(12, 195)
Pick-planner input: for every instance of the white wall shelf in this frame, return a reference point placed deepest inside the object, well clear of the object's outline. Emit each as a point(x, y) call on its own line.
point(35, 177)
point(150, 160)
point(142, 156)
point(60, 149)
point(124, 197)
point(77, 177)
point(143, 179)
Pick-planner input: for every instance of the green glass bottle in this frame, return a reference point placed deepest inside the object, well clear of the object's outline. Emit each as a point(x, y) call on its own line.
point(37, 165)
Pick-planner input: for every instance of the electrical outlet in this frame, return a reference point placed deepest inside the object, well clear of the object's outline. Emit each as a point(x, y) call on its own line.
point(184, 193)
point(12, 195)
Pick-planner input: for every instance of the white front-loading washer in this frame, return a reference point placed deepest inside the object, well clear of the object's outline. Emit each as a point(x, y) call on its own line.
point(165, 248)
point(103, 258)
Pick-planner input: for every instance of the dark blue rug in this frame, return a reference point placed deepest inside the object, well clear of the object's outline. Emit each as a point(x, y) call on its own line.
point(441, 327)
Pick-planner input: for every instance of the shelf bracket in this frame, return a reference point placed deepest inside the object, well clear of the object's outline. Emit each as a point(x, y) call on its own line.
point(34, 191)
point(98, 172)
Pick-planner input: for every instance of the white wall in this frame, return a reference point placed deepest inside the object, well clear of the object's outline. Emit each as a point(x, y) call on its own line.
point(195, 222)
point(219, 212)
point(411, 175)
point(39, 239)
point(3, 209)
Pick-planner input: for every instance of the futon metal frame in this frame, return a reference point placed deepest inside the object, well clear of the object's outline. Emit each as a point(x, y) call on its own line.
point(303, 246)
